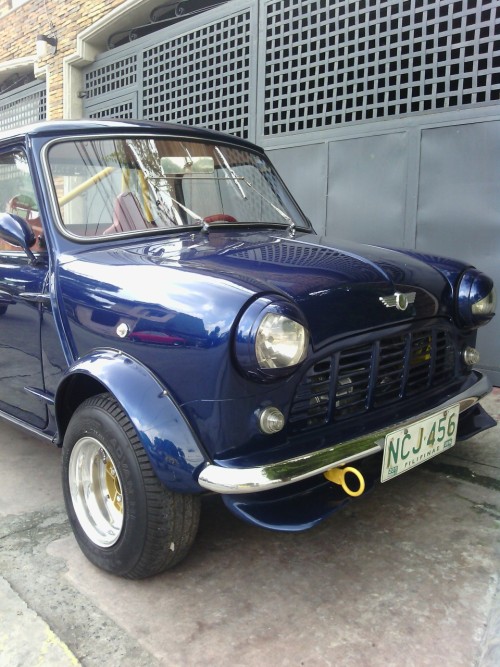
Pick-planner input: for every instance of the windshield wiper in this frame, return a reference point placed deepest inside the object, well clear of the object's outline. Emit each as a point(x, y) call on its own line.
point(285, 216)
point(187, 210)
point(174, 216)
point(232, 173)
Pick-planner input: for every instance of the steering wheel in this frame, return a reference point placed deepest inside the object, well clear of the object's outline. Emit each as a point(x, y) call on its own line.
point(219, 217)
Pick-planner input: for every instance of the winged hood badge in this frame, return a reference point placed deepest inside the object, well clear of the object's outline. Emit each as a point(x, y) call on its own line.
point(398, 300)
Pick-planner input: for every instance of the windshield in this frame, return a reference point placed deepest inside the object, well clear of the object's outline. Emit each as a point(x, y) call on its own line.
point(118, 185)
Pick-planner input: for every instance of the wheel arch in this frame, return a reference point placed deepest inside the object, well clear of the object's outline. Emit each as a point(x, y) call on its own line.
point(172, 447)
point(71, 393)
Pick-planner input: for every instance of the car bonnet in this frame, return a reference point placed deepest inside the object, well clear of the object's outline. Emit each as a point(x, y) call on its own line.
point(341, 288)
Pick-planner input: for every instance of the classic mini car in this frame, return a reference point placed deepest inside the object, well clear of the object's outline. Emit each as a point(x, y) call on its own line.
point(170, 318)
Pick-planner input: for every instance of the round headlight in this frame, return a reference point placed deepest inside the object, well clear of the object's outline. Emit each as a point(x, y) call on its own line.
point(476, 299)
point(271, 338)
point(485, 306)
point(280, 342)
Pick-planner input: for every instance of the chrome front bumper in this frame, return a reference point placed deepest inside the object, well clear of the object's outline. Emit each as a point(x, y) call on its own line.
point(251, 480)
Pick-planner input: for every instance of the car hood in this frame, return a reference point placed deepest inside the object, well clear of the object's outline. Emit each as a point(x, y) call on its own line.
point(341, 288)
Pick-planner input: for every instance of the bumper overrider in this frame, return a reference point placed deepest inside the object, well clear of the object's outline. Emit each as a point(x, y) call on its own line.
point(226, 480)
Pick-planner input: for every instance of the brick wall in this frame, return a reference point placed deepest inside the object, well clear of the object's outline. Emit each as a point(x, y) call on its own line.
point(19, 28)
point(4, 7)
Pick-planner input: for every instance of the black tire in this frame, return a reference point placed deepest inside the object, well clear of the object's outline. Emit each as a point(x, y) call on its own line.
point(125, 521)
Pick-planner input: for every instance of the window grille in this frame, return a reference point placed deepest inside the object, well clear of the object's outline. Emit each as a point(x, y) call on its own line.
point(111, 77)
point(338, 62)
point(122, 110)
point(201, 77)
point(23, 107)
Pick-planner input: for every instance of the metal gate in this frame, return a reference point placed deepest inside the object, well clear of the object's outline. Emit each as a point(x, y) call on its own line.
point(26, 104)
point(200, 72)
point(383, 116)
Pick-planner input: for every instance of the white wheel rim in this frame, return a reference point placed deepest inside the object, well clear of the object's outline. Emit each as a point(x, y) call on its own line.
point(96, 492)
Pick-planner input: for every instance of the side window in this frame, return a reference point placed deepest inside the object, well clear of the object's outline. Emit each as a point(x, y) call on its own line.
point(17, 195)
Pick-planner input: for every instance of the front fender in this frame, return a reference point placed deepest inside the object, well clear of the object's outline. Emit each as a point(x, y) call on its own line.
point(169, 441)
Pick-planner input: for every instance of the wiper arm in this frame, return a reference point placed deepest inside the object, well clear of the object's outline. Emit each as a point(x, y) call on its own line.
point(175, 214)
point(231, 172)
point(187, 210)
point(285, 216)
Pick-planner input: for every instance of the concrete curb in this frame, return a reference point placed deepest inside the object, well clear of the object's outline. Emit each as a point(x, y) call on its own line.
point(25, 639)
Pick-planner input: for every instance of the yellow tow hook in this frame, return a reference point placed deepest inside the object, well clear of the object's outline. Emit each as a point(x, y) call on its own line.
point(338, 475)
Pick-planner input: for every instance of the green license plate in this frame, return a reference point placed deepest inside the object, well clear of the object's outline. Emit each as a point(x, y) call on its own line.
point(409, 446)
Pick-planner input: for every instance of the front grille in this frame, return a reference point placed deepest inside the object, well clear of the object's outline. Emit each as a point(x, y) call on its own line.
point(374, 375)
point(312, 399)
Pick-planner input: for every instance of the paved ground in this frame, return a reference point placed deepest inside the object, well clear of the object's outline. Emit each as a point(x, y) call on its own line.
point(405, 576)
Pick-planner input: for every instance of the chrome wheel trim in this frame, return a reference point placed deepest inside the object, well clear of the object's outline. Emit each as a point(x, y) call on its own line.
point(96, 492)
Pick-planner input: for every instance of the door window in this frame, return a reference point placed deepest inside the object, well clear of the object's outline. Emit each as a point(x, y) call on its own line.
point(17, 195)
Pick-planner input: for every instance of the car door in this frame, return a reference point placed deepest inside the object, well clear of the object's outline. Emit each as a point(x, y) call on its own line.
point(22, 287)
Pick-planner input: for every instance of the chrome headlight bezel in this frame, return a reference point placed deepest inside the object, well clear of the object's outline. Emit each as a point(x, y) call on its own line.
point(250, 333)
point(476, 299)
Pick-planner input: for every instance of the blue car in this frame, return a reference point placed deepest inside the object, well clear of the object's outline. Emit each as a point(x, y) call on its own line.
point(170, 318)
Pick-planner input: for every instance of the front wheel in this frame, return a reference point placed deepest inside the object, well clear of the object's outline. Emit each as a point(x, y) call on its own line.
point(125, 521)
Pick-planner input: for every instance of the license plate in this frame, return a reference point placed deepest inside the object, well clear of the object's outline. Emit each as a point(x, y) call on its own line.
point(409, 446)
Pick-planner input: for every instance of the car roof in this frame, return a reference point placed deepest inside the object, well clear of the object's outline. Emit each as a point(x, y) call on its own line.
point(56, 129)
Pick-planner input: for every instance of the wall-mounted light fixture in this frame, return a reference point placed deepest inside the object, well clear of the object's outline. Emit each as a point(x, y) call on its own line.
point(45, 46)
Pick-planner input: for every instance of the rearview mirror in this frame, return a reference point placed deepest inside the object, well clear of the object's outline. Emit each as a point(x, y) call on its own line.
point(178, 166)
